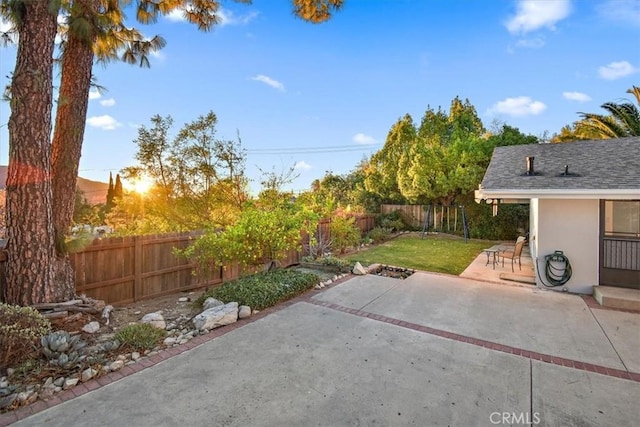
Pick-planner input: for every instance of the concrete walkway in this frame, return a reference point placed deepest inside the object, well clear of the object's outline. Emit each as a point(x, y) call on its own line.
point(429, 350)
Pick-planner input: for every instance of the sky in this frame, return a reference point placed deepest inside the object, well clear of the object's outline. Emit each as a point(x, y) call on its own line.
point(323, 97)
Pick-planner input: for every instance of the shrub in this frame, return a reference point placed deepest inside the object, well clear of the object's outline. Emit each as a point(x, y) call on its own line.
point(344, 233)
point(261, 234)
point(334, 261)
point(394, 221)
point(379, 234)
point(140, 336)
point(263, 289)
point(20, 330)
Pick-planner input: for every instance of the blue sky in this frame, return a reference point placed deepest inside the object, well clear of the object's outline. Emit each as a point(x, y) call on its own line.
point(323, 96)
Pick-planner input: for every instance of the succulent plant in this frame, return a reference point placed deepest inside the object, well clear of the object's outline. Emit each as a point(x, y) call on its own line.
point(62, 349)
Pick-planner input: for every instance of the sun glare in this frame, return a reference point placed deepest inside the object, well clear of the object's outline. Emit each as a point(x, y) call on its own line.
point(142, 185)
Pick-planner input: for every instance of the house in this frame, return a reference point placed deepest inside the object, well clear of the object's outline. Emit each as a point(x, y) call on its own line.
point(584, 199)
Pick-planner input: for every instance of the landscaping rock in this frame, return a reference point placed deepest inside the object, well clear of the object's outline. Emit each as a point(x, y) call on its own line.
point(154, 319)
point(211, 303)
point(217, 316)
point(7, 401)
point(87, 374)
point(359, 270)
point(70, 382)
point(184, 299)
point(91, 327)
point(244, 311)
point(27, 397)
point(114, 366)
point(135, 355)
point(169, 341)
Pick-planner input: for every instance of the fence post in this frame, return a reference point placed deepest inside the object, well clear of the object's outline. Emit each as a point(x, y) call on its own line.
point(137, 267)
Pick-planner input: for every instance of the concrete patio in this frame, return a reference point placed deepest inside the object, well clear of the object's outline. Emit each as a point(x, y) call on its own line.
point(429, 350)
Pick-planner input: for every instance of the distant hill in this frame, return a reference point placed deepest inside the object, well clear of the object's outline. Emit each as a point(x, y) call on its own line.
point(94, 191)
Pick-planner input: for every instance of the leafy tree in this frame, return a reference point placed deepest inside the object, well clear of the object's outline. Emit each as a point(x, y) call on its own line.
point(509, 135)
point(117, 188)
point(83, 211)
point(447, 158)
point(382, 176)
point(110, 195)
point(30, 233)
point(198, 180)
point(34, 273)
point(623, 119)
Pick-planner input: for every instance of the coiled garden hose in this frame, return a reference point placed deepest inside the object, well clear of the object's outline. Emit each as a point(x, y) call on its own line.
point(557, 269)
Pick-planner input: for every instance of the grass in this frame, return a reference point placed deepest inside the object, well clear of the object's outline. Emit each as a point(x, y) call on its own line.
point(437, 253)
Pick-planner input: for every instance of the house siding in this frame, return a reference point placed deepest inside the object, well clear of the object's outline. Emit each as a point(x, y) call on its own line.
point(570, 226)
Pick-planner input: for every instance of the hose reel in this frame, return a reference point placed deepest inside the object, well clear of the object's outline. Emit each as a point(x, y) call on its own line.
point(557, 269)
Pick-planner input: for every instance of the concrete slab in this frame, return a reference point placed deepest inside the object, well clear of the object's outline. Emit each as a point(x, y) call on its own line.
point(623, 330)
point(479, 270)
point(309, 365)
point(528, 318)
point(360, 291)
point(569, 397)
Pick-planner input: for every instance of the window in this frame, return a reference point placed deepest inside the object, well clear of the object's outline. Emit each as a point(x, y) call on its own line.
point(622, 218)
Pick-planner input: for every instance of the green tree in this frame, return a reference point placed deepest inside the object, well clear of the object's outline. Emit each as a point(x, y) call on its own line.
point(382, 176)
point(448, 156)
point(30, 233)
point(110, 195)
point(34, 272)
point(623, 119)
point(198, 180)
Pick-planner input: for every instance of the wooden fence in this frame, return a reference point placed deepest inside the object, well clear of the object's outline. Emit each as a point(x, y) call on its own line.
point(120, 270)
point(441, 218)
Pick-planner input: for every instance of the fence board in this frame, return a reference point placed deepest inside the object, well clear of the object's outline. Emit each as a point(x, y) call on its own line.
point(120, 270)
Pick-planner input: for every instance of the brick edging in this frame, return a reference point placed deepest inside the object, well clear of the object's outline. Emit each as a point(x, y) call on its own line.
point(547, 358)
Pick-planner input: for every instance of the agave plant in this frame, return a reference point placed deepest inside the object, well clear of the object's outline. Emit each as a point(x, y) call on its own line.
point(62, 349)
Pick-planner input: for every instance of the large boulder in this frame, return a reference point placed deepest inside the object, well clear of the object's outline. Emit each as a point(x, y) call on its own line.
point(211, 303)
point(216, 316)
point(358, 269)
point(154, 319)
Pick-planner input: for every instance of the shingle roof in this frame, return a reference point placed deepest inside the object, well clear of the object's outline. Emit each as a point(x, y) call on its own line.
point(610, 164)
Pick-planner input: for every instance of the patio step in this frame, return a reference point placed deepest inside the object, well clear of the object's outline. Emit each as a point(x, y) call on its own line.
point(621, 298)
point(512, 277)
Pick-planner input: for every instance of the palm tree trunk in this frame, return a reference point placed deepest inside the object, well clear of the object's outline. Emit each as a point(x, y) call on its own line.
point(30, 249)
point(66, 148)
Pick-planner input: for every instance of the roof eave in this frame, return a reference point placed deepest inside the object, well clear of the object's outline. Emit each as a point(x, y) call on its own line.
point(616, 194)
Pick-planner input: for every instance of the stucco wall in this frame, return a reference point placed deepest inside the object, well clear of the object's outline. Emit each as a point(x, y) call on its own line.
point(571, 226)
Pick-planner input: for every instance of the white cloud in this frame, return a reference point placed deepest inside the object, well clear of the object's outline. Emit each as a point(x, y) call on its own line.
point(616, 70)
point(518, 106)
point(105, 122)
point(623, 11)
point(535, 14)
point(108, 102)
point(94, 94)
point(576, 96)
point(268, 81)
point(302, 165)
point(176, 15)
point(361, 138)
point(229, 18)
point(534, 43)
point(225, 17)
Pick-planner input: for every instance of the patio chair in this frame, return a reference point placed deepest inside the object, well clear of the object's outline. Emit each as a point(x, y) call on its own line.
point(515, 254)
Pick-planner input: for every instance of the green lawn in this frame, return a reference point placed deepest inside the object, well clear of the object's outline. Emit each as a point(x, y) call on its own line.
point(438, 253)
